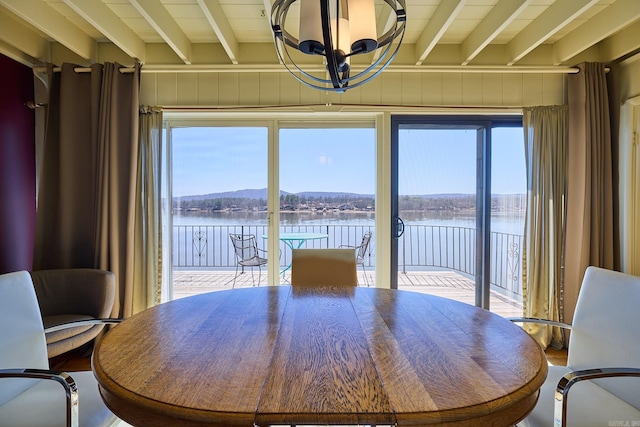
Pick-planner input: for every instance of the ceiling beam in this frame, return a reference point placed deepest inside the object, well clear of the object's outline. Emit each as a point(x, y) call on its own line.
point(103, 19)
point(611, 20)
point(22, 38)
point(621, 44)
point(53, 24)
point(268, 4)
point(220, 24)
point(491, 26)
point(552, 20)
point(17, 55)
point(442, 19)
point(161, 21)
point(385, 21)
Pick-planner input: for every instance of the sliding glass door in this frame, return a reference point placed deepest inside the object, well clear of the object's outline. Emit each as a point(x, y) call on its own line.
point(445, 211)
point(287, 184)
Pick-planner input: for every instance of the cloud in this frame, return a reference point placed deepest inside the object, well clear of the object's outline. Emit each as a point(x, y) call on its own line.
point(325, 160)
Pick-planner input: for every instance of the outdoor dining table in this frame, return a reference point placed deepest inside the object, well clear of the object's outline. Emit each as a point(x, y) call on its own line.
point(296, 240)
point(318, 356)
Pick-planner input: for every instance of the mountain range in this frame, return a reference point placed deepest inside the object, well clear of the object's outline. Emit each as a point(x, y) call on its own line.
point(262, 194)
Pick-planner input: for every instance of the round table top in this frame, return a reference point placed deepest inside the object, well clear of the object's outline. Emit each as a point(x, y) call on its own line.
point(283, 355)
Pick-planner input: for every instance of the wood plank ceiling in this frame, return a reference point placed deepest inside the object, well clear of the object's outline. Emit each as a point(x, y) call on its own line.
point(236, 34)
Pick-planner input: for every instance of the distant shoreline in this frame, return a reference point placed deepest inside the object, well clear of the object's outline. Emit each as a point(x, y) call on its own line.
point(469, 211)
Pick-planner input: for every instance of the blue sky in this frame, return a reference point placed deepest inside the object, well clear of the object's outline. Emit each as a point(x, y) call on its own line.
point(445, 161)
point(211, 160)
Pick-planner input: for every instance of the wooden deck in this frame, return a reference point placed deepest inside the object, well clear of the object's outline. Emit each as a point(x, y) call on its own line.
point(448, 284)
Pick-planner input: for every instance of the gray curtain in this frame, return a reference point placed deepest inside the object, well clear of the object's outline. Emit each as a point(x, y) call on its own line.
point(545, 138)
point(591, 208)
point(87, 192)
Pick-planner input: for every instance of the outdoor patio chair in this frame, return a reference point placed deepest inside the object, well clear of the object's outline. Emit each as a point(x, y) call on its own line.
point(247, 255)
point(30, 393)
point(361, 252)
point(595, 388)
point(323, 267)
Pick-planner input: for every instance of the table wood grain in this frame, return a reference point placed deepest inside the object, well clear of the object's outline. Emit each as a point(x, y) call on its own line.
point(341, 356)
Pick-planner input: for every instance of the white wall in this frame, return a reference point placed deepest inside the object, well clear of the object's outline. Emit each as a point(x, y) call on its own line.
point(408, 89)
point(630, 79)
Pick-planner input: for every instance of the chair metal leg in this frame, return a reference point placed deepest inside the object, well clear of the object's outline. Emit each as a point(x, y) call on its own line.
point(366, 281)
point(234, 277)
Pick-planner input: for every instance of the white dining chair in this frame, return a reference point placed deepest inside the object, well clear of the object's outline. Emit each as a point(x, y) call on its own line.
point(30, 393)
point(597, 387)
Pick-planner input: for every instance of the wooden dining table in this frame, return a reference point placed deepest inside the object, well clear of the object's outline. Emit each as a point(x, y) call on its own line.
point(318, 356)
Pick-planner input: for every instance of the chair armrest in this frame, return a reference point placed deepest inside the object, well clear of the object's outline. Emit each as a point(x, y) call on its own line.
point(62, 378)
point(263, 251)
point(82, 323)
point(570, 379)
point(538, 320)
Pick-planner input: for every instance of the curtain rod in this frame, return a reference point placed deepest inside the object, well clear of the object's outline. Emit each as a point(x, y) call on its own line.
point(276, 68)
point(326, 108)
point(338, 107)
point(208, 68)
point(123, 70)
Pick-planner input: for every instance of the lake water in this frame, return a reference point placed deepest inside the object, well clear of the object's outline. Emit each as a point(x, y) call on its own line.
point(501, 223)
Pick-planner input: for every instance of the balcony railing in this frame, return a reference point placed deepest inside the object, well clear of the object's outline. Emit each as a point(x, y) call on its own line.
point(209, 247)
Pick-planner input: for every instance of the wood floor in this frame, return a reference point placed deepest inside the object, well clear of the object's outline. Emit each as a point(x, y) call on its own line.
point(73, 361)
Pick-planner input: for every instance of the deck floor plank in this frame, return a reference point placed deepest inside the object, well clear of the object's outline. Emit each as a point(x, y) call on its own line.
point(448, 284)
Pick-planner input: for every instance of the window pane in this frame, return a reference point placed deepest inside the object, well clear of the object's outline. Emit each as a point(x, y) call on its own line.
point(437, 203)
point(508, 205)
point(219, 179)
point(327, 187)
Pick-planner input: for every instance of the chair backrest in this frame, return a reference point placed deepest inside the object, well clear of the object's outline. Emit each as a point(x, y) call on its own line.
point(323, 267)
point(605, 330)
point(65, 291)
point(244, 245)
point(22, 341)
point(361, 252)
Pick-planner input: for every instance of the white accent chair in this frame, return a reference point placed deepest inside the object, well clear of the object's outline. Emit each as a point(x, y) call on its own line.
point(69, 295)
point(323, 267)
point(597, 387)
point(30, 393)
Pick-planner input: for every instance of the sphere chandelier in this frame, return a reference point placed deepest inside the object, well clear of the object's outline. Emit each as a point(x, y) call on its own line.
point(337, 32)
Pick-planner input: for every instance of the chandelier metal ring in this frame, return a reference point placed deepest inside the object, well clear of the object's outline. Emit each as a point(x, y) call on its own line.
point(337, 34)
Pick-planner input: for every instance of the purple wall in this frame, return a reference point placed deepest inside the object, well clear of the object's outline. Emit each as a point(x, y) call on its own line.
point(17, 167)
